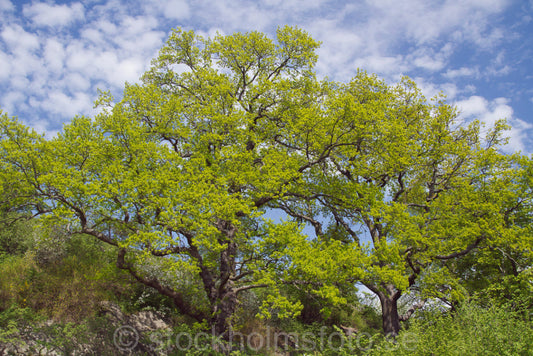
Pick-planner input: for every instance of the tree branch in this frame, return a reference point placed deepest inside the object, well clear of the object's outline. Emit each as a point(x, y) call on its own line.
point(410, 311)
point(461, 253)
point(177, 297)
point(250, 286)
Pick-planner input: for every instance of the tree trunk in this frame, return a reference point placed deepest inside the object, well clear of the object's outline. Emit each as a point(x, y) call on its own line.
point(388, 298)
point(389, 314)
point(223, 313)
point(226, 301)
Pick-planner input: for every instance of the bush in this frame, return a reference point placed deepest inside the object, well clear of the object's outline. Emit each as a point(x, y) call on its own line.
point(15, 234)
point(15, 284)
point(63, 276)
point(24, 332)
point(471, 330)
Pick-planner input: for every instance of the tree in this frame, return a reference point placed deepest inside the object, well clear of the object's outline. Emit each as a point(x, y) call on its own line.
point(405, 194)
point(182, 167)
point(222, 130)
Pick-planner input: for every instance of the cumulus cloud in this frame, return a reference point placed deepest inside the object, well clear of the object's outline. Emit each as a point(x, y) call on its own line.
point(431, 90)
point(6, 5)
point(20, 55)
point(5, 67)
point(105, 65)
point(461, 72)
point(48, 68)
point(430, 59)
point(378, 32)
point(233, 15)
point(54, 55)
point(43, 14)
point(19, 40)
point(488, 112)
point(176, 9)
point(60, 103)
point(386, 65)
point(425, 21)
point(13, 102)
point(339, 47)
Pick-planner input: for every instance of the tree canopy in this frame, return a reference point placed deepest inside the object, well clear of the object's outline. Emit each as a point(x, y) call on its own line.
point(220, 132)
point(407, 193)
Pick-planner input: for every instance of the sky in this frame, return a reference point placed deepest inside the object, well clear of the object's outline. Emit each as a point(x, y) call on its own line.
point(55, 55)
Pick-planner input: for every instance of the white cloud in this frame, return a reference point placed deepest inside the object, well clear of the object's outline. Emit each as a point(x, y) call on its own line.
point(105, 65)
point(13, 102)
point(382, 64)
point(127, 70)
point(339, 47)
point(18, 40)
point(488, 112)
point(520, 138)
point(294, 7)
point(429, 63)
point(76, 82)
point(129, 36)
point(137, 37)
point(237, 16)
point(93, 35)
point(52, 73)
point(43, 14)
point(461, 72)
point(378, 40)
point(6, 5)
point(474, 106)
point(54, 55)
point(234, 15)
point(424, 21)
point(5, 66)
point(176, 9)
point(59, 103)
point(22, 57)
point(430, 90)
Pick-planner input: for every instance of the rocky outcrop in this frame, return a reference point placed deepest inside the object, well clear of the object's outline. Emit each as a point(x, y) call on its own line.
point(112, 332)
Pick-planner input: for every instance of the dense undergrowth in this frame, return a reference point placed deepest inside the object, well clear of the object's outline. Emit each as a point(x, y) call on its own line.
point(52, 285)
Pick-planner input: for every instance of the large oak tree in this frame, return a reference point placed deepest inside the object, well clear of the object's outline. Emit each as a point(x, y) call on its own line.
point(407, 192)
point(221, 130)
point(181, 167)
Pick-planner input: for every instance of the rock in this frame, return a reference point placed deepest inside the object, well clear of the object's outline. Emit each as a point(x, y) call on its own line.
point(117, 333)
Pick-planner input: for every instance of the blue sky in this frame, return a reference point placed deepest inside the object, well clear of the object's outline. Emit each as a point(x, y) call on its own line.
point(54, 55)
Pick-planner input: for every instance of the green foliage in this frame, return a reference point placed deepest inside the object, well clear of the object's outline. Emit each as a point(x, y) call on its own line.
point(471, 330)
point(22, 331)
point(13, 322)
point(15, 233)
point(15, 286)
point(62, 276)
point(183, 166)
point(178, 175)
point(514, 291)
point(404, 193)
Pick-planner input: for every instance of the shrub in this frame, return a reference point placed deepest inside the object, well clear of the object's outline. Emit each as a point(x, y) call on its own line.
point(470, 330)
